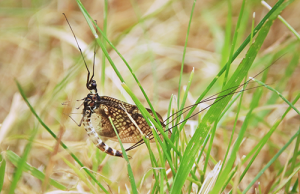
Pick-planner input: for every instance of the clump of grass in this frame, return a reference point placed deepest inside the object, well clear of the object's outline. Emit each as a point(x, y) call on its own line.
point(144, 53)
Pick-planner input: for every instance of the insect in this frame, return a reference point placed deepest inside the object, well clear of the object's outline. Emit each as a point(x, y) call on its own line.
point(126, 118)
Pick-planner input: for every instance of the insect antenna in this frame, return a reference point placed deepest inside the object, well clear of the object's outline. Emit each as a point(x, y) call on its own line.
point(88, 75)
point(190, 107)
point(219, 98)
point(187, 108)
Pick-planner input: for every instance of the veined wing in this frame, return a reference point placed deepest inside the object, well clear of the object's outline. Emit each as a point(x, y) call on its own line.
point(119, 111)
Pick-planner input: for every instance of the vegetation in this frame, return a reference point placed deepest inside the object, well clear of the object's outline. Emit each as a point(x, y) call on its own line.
point(165, 55)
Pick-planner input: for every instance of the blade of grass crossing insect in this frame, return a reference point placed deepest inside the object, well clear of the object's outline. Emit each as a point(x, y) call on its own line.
point(256, 150)
point(105, 11)
point(293, 163)
point(146, 114)
point(90, 21)
point(15, 160)
point(20, 166)
point(235, 36)
point(2, 170)
point(184, 52)
point(91, 24)
point(55, 137)
point(129, 170)
point(271, 162)
point(214, 112)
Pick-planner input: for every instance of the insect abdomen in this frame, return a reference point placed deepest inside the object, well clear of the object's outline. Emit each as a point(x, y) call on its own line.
point(94, 137)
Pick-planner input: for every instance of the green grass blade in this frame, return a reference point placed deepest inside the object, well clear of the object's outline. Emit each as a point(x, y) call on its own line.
point(235, 36)
point(55, 137)
point(2, 171)
point(21, 164)
point(226, 46)
point(279, 94)
point(283, 21)
point(15, 160)
point(271, 162)
point(184, 52)
point(186, 91)
point(91, 24)
point(129, 170)
point(146, 114)
point(105, 12)
point(293, 163)
point(257, 149)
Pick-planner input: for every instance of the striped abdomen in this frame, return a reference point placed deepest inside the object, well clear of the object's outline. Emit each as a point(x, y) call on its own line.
point(94, 137)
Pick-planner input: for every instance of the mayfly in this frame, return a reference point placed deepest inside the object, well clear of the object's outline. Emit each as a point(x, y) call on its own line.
point(126, 118)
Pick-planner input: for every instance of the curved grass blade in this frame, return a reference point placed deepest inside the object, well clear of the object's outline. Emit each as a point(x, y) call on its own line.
point(15, 160)
point(271, 161)
point(21, 163)
point(256, 150)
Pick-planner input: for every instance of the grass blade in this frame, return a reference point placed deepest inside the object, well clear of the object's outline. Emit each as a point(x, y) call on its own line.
point(21, 164)
point(271, 162)
point(2, 171)
point(130, 173)
point(184, 52)
point(15, 160)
